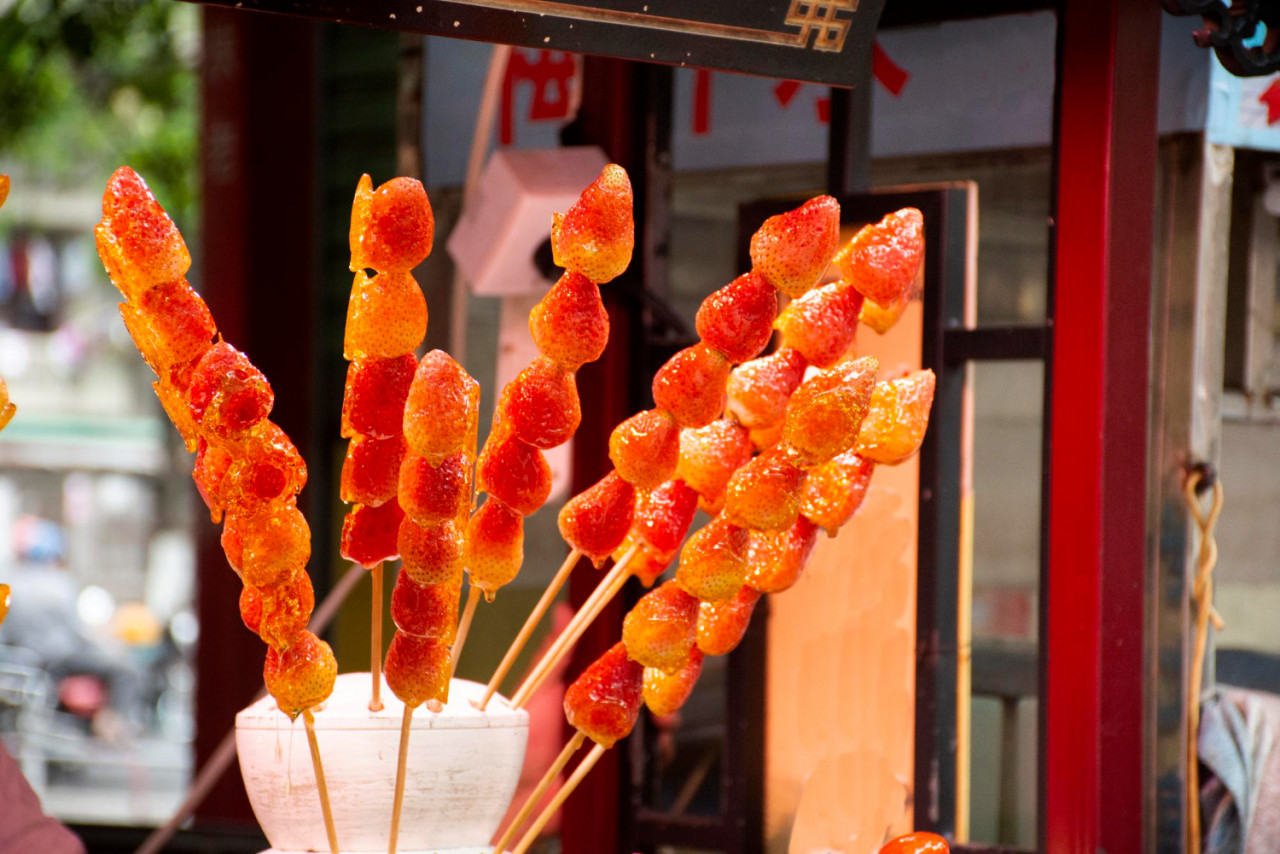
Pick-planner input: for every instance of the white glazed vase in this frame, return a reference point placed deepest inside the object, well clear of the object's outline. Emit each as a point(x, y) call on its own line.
point(462, 770)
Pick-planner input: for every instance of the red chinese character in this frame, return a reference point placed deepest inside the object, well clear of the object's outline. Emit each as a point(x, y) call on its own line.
point(550, 73)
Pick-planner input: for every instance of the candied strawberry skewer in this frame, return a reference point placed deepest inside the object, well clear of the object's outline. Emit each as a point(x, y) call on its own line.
point(392, 230)
point(245, 465)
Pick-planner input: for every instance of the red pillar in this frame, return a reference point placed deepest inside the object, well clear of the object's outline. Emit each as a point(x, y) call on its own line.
point(1094, 634)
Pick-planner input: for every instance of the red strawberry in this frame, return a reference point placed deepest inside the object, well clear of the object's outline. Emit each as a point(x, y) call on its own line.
point(758, 391)
point(400, 227)
point(776, 558)
point(417, 669)
point(570, 325)
point(369, 533)
point(714, 561)
point(691, 385)
point(828, 409)
point(666, 693)
point(302, 675)
point(604, 702)
point(822, 324)
point(792, 250)
point(660, 630)
point(833, 492)
point(645, 448)
point(721, 625)
point(441, 409)
point(514, 472)
point(596, 520)
point(737, 320)
point(595, 237)
point(664, 515)
point(883, 259)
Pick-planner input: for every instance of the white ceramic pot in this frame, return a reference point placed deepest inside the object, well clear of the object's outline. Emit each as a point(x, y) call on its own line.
point(462, 771)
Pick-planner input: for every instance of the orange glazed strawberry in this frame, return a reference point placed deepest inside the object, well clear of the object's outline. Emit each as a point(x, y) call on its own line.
point(710, 455)
point(570, 325)
point(286, 608)
point(792, 250)
point(833, 492)
point(881, 318)
point(666, 693)
point(251, 607)
point(374, 401)
point(228, 395)
point(822, 324)
point(645, 448)
point(882, 259)
point(767, 437)
point(371, 470)
point(604, 702)
point(426, 610)
point(138, 243)
point(176, 321)
point(174, 403)
point(595, 237)
point(714, 561)
point(765, 494)
point(430, 554)
point(826, 412)
point(430, 494)
point(722, 625)
point(265, 470)
point(541, 404)
point(442, 407)
point(398, 228)
point(494, 547)
point(647, 563)
point(369, 533)
point(737, 320)
point(360, 206)
point(514, 472)
point(596, 520)
point(209, 472)
point(386, 316)
point(660, 630)
point(302, 675)
point(776, 558)
point(691, 385)
point(275, 545)
point(664, 515)
point(898, 418)
point(417, 669)
point(916, 843)
point(758, 391)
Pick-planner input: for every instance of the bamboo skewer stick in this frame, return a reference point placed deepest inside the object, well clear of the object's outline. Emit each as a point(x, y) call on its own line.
point(541, 789)
point(464, 628)
point(548, 596)
point(600, 597)
point(325, 809)
point(401, 764)
point(375, 639)
point(584, 767)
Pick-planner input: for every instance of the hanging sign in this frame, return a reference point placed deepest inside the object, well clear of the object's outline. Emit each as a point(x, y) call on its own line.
point(819, 41)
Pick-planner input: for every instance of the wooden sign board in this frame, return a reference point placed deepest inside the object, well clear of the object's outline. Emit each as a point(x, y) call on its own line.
point(817, 41)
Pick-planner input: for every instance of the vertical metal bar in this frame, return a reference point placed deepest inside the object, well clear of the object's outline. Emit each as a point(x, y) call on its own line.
point(849, 140)
point(1092, 769)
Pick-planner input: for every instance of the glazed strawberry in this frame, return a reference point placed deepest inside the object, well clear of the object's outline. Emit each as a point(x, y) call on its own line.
point(286, 608)
point(360, 207)
point(898, 418)
point(374, 400)
point(691, 386)
point(386, 316)
point(417, 669)
point(766, 438)
point(430, 554)
point(265, 470)
point(174, 403)
point(822, 324)
point(714, 561)
point(275, 545)
point(721, 625)
point(302, 675)
point(710, 455)
point(758, 391)
point(916, 843)
point(595, 237)
point(604, 702)
point(369, 533)
point(765, 494)
point(209, 472)
point(371, 470)
point(883, 259)
point(776, 558)
point(666, 693)
point(792, 250)
point(882, 318)
point(397, 227)
point(442, 407)
point(177, 322)
point(251, 607)
point(646, 563)
point(228, 395)
point(664, 515)
point(570, 325)
point(138, 243)
point(514, 472)
point(541, 404)
point(660, 630)
point(645, 448)
point(596, 520)
point(737, 320)
point(435, 493)
point(828, 409)
point(833, 492)
point(494, 547)
point(426, 610)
